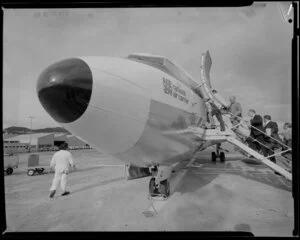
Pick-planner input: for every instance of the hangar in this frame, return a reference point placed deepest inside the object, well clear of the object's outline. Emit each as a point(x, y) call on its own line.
point(59, 138)
point(76, 143)
point(73, 141)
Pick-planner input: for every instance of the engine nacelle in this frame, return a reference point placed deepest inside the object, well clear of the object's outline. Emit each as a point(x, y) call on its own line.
point(86, 96)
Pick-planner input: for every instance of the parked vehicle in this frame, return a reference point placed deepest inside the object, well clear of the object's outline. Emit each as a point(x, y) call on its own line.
point(34, 167)
point(11, 161)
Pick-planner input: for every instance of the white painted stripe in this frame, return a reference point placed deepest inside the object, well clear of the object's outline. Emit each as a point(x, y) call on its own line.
point(107, 165)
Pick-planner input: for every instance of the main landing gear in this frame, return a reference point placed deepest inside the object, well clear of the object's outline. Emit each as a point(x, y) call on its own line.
point(218, 154)
point(159, 185)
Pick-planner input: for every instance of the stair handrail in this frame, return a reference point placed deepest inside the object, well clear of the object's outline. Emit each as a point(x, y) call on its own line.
point(261, 132)
point(275, 154)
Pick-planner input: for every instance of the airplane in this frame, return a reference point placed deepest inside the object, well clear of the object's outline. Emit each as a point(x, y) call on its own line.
point(143, 109)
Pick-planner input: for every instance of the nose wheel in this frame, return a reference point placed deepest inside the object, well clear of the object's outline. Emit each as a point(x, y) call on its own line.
point(162, 190)
point(218, 154)
point(213, 157)
point(159, 185)
point(222, 157)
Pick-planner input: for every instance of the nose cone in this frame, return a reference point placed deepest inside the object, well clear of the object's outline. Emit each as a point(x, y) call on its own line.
point(65, 88)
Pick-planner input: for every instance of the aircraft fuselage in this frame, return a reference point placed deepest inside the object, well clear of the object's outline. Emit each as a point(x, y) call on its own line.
point(128, 109)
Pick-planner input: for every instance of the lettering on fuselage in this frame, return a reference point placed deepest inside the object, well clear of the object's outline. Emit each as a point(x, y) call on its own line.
point(175, 91)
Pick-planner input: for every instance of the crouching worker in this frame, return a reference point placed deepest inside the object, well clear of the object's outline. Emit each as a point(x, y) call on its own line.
point(61, 160)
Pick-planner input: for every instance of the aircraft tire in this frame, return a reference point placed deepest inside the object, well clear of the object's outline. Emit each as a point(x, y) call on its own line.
point(30, 172)
point(9, 171)
point(213, 157)
point(222, 156)
point(165, 188)
point(152, 190)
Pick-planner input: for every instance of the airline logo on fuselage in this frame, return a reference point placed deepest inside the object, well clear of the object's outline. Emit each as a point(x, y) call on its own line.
point(173, 90)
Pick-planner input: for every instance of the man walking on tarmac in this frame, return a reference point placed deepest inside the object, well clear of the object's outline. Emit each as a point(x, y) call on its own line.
point(61, 160)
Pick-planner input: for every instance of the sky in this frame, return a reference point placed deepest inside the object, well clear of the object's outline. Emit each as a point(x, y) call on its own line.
point(250, 49)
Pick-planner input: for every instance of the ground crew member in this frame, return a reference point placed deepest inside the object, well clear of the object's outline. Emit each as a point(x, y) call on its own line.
point(61, 160)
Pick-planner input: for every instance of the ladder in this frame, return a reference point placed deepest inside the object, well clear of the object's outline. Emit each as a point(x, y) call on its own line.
point(215, 135)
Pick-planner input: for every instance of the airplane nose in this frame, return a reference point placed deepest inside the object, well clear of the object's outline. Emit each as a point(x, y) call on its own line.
point(65, 88)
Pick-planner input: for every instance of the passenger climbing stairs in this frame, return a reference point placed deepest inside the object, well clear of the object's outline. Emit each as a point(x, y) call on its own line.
point(217, 137)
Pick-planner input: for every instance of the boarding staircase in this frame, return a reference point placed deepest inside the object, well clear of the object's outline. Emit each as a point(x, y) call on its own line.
point(230, 135)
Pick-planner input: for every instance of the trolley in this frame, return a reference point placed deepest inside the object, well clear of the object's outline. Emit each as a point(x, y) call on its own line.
point(34, 167)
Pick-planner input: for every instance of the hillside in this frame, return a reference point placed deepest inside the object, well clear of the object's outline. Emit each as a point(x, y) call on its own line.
point(23, 130)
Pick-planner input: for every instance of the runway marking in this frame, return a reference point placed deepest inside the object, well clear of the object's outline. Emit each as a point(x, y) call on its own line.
point(95, 158)
point(109, 165)
point(175, 180)
point(196, 166)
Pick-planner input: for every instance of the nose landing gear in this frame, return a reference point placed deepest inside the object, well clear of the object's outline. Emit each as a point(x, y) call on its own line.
point(163, 189)
point(159, 185)
point(218, 154)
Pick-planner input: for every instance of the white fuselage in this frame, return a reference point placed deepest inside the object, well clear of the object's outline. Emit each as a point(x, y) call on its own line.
point(136, 112)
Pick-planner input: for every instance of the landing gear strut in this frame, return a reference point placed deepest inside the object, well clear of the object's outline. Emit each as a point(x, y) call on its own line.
point(218, 154)
point(159, 185)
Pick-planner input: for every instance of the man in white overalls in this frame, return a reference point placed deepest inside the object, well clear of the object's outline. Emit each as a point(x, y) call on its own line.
point(61, 160)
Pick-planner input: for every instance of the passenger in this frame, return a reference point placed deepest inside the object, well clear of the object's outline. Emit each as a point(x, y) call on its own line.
point(244, 128)
point(287, 139)
point(287, 134)
point(213, 110)
point(210, 120)
point(271, 128)
point(257, 136)
point(61, 161)
point(236, 110)
point(220, 102)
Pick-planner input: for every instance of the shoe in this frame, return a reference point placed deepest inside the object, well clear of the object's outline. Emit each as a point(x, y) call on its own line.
point(52, 193)
point(65, 193)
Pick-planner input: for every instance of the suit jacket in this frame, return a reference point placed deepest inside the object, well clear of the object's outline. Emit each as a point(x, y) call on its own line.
point(274, 132)
point(214, 109)
point(256, 122)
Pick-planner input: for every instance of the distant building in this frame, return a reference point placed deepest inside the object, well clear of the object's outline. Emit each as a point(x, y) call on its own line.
point(40, 142)
point(6, 135)
point(21, 143)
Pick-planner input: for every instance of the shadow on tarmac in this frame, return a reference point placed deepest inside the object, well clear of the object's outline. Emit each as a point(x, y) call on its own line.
point(97, 184)
point(200, 176)
point(24, 171)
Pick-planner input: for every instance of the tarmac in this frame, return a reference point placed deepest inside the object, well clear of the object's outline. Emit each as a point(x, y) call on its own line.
point(205, 196)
